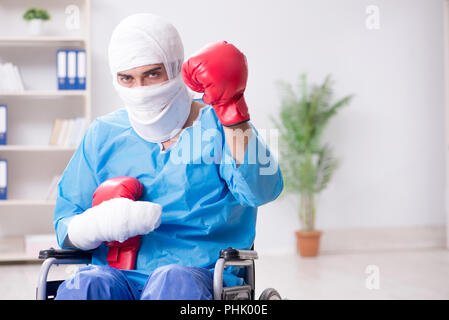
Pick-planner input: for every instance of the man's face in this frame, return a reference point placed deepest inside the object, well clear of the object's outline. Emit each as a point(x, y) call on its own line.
point(143, 76)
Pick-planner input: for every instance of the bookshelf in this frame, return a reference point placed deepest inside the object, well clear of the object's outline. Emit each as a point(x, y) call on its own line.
point(35, 148)
point(446, 84)
point(49, 94)
point(32, 161)
point(26, 40)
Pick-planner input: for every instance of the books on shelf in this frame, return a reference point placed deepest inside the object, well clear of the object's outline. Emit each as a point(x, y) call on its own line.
point(3, 179)
point(68, 132)
point(3, 123)
point(71, 69)
point(10, 78)
point(53, 188)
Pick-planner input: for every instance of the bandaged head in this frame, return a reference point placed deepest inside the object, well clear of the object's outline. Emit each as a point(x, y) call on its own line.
point(156, 112)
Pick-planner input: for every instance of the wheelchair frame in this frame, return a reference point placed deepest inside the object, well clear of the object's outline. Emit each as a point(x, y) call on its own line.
point(46, 290)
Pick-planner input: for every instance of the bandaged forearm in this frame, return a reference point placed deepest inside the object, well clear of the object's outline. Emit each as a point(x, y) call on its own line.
point(113, 220)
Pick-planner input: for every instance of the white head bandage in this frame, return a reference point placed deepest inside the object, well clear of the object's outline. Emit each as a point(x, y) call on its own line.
point(157, 112)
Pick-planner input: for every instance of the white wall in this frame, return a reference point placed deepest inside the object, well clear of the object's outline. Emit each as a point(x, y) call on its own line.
point(390, 140)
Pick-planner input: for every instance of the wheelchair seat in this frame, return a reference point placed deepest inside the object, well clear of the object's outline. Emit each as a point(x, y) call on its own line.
point(46, 290)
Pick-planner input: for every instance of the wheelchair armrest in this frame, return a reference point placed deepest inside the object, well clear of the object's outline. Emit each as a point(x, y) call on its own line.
point(231, 254)
point(235, 257)
point(55, 257)
point(62, 254)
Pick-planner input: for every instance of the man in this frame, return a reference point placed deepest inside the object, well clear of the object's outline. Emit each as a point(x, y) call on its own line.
point(200, 189)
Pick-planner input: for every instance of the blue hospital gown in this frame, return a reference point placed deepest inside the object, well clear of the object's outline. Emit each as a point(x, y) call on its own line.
point(208, 202)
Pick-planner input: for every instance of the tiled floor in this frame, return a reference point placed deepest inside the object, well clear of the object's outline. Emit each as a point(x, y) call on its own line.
point(412, 274)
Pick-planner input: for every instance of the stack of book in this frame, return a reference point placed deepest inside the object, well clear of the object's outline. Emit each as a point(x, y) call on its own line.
point(3, 179)
point(3, 123)
point(68, 132)
point(10, 79)
point(71, 69)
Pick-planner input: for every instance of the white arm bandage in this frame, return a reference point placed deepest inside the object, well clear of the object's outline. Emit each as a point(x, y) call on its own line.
point(113, 220)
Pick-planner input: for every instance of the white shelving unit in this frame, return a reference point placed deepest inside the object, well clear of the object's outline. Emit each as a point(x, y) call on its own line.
point(446, 85)
point(41, 39)
point(43, 94)
point(32, 162)
point(35, 148)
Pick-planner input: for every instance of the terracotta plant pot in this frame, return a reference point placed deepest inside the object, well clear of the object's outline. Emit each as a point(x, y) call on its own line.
point(308, 243)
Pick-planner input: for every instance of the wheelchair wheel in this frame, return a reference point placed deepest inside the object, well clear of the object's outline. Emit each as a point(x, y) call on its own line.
point(270, 294)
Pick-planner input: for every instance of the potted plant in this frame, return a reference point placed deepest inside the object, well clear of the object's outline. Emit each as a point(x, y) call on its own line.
point(307, 164)
point(36, 18)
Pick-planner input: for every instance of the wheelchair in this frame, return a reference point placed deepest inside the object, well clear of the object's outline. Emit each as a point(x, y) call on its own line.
point(46, 290)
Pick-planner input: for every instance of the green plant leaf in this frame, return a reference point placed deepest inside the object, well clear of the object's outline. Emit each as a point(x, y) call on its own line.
point(36, 13)
point(307, 165)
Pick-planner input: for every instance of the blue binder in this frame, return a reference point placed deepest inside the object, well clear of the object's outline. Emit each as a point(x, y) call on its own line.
point(71, 69)
point(61, 69)
point(81, 61)
point(3, 123)
point(3, 179)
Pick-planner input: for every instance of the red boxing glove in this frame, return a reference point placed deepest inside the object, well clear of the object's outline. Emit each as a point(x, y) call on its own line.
point(220, 71)
point(121, 255)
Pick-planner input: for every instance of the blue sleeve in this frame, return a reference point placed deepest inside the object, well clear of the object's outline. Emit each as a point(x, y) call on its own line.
point(77, 185)
point(256, 181)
